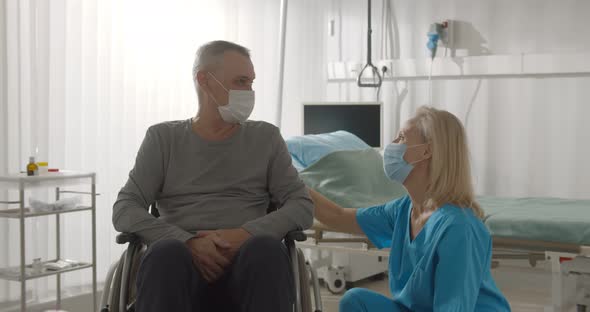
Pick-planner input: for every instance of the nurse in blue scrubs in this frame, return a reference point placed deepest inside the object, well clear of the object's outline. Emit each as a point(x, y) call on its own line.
point(441, 251)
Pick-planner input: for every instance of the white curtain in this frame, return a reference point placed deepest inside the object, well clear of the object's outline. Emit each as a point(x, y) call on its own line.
point(80, 82)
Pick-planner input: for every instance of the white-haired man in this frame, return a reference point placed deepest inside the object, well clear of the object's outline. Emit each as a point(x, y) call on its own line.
point(213, 176)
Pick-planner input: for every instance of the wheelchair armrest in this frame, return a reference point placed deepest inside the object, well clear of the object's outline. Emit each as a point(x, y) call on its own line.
point(124, 238)
point(296, 235)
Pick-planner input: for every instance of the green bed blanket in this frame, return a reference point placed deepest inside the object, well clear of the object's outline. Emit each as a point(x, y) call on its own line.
point(356, 179)
point(544, 219)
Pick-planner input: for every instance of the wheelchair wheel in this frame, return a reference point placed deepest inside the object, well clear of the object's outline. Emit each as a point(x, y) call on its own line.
point(304, 283)
point(106, 292)
point(115, 292)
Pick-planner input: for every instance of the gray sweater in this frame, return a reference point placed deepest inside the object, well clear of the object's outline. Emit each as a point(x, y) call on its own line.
point(204, 185)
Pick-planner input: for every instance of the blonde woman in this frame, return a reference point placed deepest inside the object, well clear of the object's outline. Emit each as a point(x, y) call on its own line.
point(440, 250)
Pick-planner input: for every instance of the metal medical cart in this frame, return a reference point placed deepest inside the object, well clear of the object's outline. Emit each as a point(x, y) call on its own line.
point(57, 180)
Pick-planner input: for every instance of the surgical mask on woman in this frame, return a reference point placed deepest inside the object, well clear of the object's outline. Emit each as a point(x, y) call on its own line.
point(395, 166)
point(239, 105)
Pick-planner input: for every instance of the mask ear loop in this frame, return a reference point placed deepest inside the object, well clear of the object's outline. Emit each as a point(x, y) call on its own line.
point(417, 161)
point(417, 145)
point(221, 84)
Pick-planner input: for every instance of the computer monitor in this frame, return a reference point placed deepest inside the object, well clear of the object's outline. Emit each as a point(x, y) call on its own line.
point(363, 119)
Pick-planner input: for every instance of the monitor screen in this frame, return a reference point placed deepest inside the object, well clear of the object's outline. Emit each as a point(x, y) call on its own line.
point(360, 119)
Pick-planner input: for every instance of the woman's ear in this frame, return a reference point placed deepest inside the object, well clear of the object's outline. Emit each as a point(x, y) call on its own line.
point(427, 151)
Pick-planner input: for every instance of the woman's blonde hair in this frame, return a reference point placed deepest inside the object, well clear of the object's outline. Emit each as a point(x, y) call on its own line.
point(450, 168)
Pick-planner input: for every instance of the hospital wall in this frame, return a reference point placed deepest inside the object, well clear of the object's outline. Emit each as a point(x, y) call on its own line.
point(529, 136)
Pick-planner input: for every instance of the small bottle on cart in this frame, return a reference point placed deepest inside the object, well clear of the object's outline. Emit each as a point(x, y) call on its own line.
point(32, 168)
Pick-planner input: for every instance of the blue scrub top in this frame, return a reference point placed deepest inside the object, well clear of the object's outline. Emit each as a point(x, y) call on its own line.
point(447, 267)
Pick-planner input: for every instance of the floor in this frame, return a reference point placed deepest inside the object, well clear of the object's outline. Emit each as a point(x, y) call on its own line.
point(527, 289)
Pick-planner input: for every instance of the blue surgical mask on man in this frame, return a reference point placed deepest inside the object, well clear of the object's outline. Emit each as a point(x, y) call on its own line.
point(239, 105)
point(395, 166)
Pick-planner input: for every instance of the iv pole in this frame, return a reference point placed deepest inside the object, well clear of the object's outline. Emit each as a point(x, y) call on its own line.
point(282, 39)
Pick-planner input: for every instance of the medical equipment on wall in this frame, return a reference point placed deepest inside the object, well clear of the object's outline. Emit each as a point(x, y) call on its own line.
point(369, 65)
point(437, 32)
point(433, 36)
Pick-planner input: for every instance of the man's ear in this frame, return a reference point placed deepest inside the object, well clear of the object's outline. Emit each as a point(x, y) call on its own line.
point(201, 78)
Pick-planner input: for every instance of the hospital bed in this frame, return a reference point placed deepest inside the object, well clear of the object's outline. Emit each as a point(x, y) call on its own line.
point(533, 229)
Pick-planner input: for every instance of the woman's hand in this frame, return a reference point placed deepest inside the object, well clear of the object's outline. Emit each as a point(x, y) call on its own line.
point(332, 215)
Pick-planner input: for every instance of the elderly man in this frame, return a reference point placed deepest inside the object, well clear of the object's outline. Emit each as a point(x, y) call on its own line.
point(214, 247)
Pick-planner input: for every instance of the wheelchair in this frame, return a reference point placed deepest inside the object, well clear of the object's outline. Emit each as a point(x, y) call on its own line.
point(119, 292)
